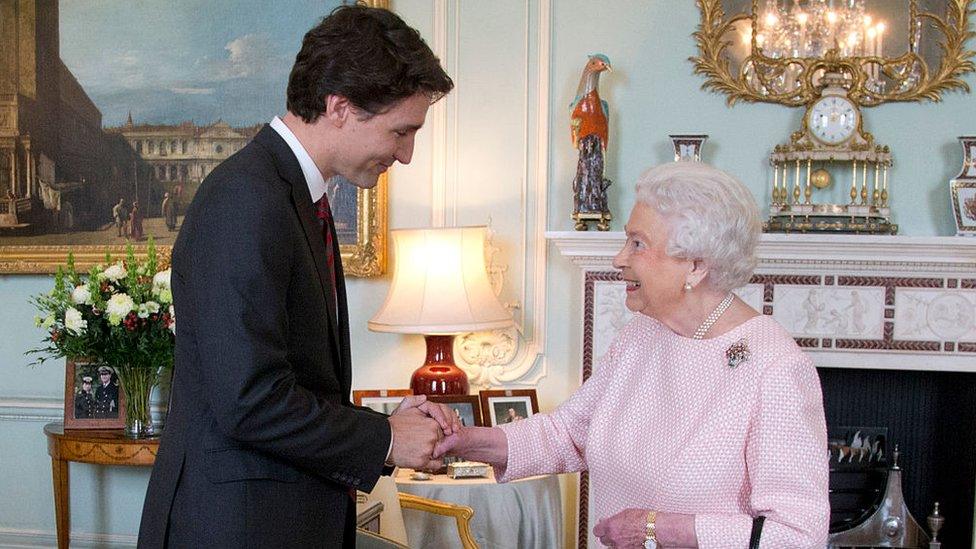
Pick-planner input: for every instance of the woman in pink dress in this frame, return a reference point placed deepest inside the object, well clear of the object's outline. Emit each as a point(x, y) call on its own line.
point(703, 414)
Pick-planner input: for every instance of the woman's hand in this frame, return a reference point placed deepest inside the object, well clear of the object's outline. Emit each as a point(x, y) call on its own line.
point(487, 444)
point(627, 528)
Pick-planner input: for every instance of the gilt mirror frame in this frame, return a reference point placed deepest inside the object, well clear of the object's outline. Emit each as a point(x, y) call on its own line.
point(361, 218)
point(713, 61)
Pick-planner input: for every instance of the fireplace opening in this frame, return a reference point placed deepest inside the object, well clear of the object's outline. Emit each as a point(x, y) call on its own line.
point(931, 416)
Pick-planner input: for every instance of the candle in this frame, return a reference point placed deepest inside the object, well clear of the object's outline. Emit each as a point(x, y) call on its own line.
point(880, 39)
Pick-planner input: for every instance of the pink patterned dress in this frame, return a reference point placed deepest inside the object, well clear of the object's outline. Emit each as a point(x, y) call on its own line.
point(666, 423)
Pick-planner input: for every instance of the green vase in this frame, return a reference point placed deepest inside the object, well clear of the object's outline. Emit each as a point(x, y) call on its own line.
point(137, 384)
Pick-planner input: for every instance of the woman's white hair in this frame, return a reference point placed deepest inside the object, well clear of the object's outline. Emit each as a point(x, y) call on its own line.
point(712, 217)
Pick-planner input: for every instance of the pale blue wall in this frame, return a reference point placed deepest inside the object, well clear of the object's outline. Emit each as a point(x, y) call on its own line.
point(652, 92)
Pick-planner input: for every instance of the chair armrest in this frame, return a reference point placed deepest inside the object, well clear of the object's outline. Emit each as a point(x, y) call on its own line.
point(462, 514)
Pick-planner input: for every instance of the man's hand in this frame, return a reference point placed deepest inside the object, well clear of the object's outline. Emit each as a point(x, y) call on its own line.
point(625, 529)
point(449, 422)
point(414, 437)
point(417, 426)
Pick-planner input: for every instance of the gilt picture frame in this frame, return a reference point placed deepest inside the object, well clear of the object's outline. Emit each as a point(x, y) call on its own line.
point(105, 137)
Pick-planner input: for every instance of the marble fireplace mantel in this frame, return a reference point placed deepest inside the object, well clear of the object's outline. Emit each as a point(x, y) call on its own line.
point(881, 302)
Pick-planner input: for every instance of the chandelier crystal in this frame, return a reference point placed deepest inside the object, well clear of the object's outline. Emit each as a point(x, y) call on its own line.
point(810, 28)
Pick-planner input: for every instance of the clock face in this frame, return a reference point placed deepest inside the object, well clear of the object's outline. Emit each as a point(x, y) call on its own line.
point(832, 119)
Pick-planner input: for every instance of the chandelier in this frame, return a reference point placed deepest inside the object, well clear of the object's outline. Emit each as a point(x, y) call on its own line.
point(810, 28)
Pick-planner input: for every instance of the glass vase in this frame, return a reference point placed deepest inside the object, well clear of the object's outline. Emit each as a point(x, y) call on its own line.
point(137, 384)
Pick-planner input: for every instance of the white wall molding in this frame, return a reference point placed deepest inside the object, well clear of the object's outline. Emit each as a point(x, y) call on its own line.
point(499, 363)
point(439, 115)
point(872, 302)
point(31, 409)
point(14, 537)
point(47, 409)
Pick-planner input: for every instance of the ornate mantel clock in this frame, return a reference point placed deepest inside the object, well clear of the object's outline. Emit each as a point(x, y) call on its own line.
point(833, 58)
point(830, 146)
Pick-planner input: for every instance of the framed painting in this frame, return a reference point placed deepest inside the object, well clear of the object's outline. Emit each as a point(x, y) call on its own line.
point(384, 401)
point(115, 112)
point(92, 397)
point(466, 407)
point(508, 405)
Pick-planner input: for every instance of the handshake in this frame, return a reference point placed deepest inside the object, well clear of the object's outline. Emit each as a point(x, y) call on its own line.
point(423, 432)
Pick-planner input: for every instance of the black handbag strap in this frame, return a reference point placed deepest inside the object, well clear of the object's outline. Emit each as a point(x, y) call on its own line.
point(757, 524)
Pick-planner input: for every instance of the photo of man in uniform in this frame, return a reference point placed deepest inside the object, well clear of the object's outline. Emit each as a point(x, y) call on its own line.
point(85, 399)
point(106, 394)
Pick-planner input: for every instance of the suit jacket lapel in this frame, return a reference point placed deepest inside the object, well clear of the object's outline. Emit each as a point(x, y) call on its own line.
point(291, 171)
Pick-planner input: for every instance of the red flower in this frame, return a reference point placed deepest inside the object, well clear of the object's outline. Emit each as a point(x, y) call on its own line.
point(131, 321)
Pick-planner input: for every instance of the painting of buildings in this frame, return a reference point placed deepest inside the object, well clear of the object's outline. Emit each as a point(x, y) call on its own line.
point(112, 113)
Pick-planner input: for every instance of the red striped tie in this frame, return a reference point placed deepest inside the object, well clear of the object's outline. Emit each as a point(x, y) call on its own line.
point(324, 213)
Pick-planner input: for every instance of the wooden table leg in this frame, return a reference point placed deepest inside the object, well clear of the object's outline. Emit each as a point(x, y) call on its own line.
point(62, 514)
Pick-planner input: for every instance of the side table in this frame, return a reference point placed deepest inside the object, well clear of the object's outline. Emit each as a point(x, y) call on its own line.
point(97, 446)
point(112, 447)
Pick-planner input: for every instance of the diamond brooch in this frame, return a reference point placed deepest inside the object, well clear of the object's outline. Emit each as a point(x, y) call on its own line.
point(737, 353)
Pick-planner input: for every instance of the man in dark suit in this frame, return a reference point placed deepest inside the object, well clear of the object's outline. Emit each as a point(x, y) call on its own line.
point(262, 447)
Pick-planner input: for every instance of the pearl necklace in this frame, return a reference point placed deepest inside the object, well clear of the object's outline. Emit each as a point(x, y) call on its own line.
point(713, 317)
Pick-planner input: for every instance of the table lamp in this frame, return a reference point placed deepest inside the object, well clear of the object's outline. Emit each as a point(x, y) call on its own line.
point(440, 289)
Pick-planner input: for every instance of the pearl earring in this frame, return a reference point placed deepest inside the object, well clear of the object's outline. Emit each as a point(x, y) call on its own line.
point(688, 286)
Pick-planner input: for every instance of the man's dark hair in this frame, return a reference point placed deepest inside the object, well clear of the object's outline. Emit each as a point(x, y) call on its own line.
point(368, 55)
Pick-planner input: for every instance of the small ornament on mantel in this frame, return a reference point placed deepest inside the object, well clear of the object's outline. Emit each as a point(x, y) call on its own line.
point(962, 189)
point(688, 146)
point(590, 129)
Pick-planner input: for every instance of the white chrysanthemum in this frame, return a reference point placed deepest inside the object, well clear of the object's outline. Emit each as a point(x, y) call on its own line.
point(73, 321)
point(147, 308)
point(172, 319)
point(114, 272)
point(81, 296)
point(161, 286)
point(161, 279)
point(118, 306)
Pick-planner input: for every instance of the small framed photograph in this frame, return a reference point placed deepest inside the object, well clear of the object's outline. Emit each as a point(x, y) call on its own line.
point(383, 401)
point(508, 405)
point(964, 206)
point(92, 397)
point(466, 407)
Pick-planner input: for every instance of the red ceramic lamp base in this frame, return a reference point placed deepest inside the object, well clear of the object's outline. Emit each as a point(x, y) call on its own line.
point(439, 375)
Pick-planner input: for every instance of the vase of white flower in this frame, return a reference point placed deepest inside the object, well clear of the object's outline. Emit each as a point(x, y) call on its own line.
point(121, 315)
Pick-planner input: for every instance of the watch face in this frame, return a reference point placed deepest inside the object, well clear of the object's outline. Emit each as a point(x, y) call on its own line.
point(832, 119)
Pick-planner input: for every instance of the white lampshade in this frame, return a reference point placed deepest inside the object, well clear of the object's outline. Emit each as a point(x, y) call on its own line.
point(440, 285)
